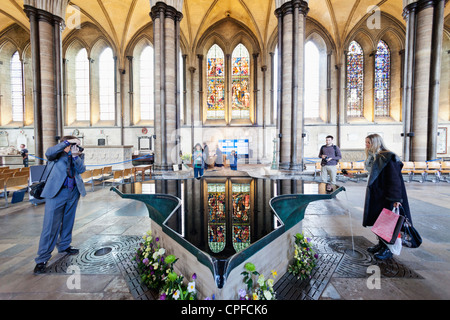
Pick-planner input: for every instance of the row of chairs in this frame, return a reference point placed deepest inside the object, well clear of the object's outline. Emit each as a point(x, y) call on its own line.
point(352, 167)
point(441, 169)
point(107, 175)
point(12, 180)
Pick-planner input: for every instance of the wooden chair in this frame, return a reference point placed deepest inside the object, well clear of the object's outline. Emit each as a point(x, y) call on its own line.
point(14, 184)
point(128, 174)
point(87, 178)
point(419, 168)
point(317, 168)
point(408, 167)
point(107, 173)
point(97, 175)
point(433, 167)
point(445, 170)
point(345, 165)
point(117, 177)
point(21, 173)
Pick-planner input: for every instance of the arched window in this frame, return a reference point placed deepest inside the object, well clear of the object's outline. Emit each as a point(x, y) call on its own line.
point(355, 80)
point(106, 85)
point(16, 88)
point(215, 82)
point(82, 85)
point(312, 85)
point(382, 79)
point(146, 84)
point(240, 92)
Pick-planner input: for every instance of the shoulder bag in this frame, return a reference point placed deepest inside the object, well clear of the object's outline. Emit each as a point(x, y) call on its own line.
point(37, 188)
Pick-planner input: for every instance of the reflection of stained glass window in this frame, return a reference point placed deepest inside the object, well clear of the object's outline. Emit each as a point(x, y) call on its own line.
point(382, 79)
point(215, 82)
point(216, 216)
point(241, 215)
point(240, 78)
point(355, 80)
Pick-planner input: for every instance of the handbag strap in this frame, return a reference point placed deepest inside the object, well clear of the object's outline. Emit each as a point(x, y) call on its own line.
point(40, 179)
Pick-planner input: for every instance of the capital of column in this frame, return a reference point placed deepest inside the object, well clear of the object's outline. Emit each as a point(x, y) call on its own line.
point(53, 7)
point(419, 6)
point(42, 15)
point(290, 6)
point(169, 11)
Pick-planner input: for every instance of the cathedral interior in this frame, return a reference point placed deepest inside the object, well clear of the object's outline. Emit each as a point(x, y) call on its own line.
point(270, 79)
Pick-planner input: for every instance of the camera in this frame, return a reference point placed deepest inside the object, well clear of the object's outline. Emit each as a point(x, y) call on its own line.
point(80, 148)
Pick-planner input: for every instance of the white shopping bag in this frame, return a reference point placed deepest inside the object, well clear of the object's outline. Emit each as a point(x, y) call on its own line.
point(396, 248)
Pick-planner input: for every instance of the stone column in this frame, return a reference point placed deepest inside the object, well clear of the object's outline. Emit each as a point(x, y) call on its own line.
point(46, 25)
point(291, 32)
point(424, 20)
point(166, 20)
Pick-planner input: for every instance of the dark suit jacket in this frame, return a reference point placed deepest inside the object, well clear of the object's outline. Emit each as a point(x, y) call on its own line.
point(385, 186)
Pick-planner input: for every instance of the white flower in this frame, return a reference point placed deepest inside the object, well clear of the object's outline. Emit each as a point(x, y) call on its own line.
point(261, 280)
point(155, 265)
point(176, 295)
point(161, 251)
point(270, 283)
point(191, 286)
point(267, 295)
point(155, 255)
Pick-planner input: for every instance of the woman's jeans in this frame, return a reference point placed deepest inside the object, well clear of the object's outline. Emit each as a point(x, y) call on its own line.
point(198, 172)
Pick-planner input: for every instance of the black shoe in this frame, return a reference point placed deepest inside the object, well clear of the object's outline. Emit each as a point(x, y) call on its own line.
point(40, 268)
point(376, 247)
point(71, 251)
point(384, 254)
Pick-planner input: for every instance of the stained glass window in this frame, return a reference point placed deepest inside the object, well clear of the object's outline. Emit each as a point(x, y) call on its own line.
point(82, 85)
point(382, 79)
point(240, 94)
point(106, 84)
point(216, 217)
point(241, 215)
point(355, 80)
point(16, 88)
point(146, 84)
point(215, 82)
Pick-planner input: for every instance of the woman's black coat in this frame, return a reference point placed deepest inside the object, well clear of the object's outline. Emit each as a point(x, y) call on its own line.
point(385, 186)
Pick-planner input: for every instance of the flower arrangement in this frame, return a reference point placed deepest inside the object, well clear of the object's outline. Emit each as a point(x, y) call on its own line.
point(305, 258)
point(264, 290)
point(156, 270)
point(151, 262)
point(175, 289)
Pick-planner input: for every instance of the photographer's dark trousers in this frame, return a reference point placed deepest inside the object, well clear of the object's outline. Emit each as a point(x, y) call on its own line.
point(59, 219)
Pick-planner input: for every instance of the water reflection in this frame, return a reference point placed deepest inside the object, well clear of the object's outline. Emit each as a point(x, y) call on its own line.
point(225, 215)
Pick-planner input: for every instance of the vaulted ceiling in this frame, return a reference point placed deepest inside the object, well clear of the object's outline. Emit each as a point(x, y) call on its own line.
point(121, 19)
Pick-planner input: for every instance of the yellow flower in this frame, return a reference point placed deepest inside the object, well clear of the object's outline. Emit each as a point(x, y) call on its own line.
point(255, 296)
point(274, 273)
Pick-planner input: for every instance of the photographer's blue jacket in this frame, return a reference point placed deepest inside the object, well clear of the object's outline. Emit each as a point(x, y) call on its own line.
point(57, 167)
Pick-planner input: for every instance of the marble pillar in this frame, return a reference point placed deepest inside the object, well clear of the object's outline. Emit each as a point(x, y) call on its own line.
point(291, 35)
point(45, 38)
point(166, 33)
point(424, 22)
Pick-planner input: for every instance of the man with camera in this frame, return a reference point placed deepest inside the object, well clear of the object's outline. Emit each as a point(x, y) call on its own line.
point(62, 191)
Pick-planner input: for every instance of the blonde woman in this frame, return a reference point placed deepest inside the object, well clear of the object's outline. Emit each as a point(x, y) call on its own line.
point(385, 187)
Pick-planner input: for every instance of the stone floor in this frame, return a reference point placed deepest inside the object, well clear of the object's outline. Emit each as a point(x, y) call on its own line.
point(104, 215)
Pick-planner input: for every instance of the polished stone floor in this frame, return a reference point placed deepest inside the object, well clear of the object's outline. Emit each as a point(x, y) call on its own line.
point(103, 216)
